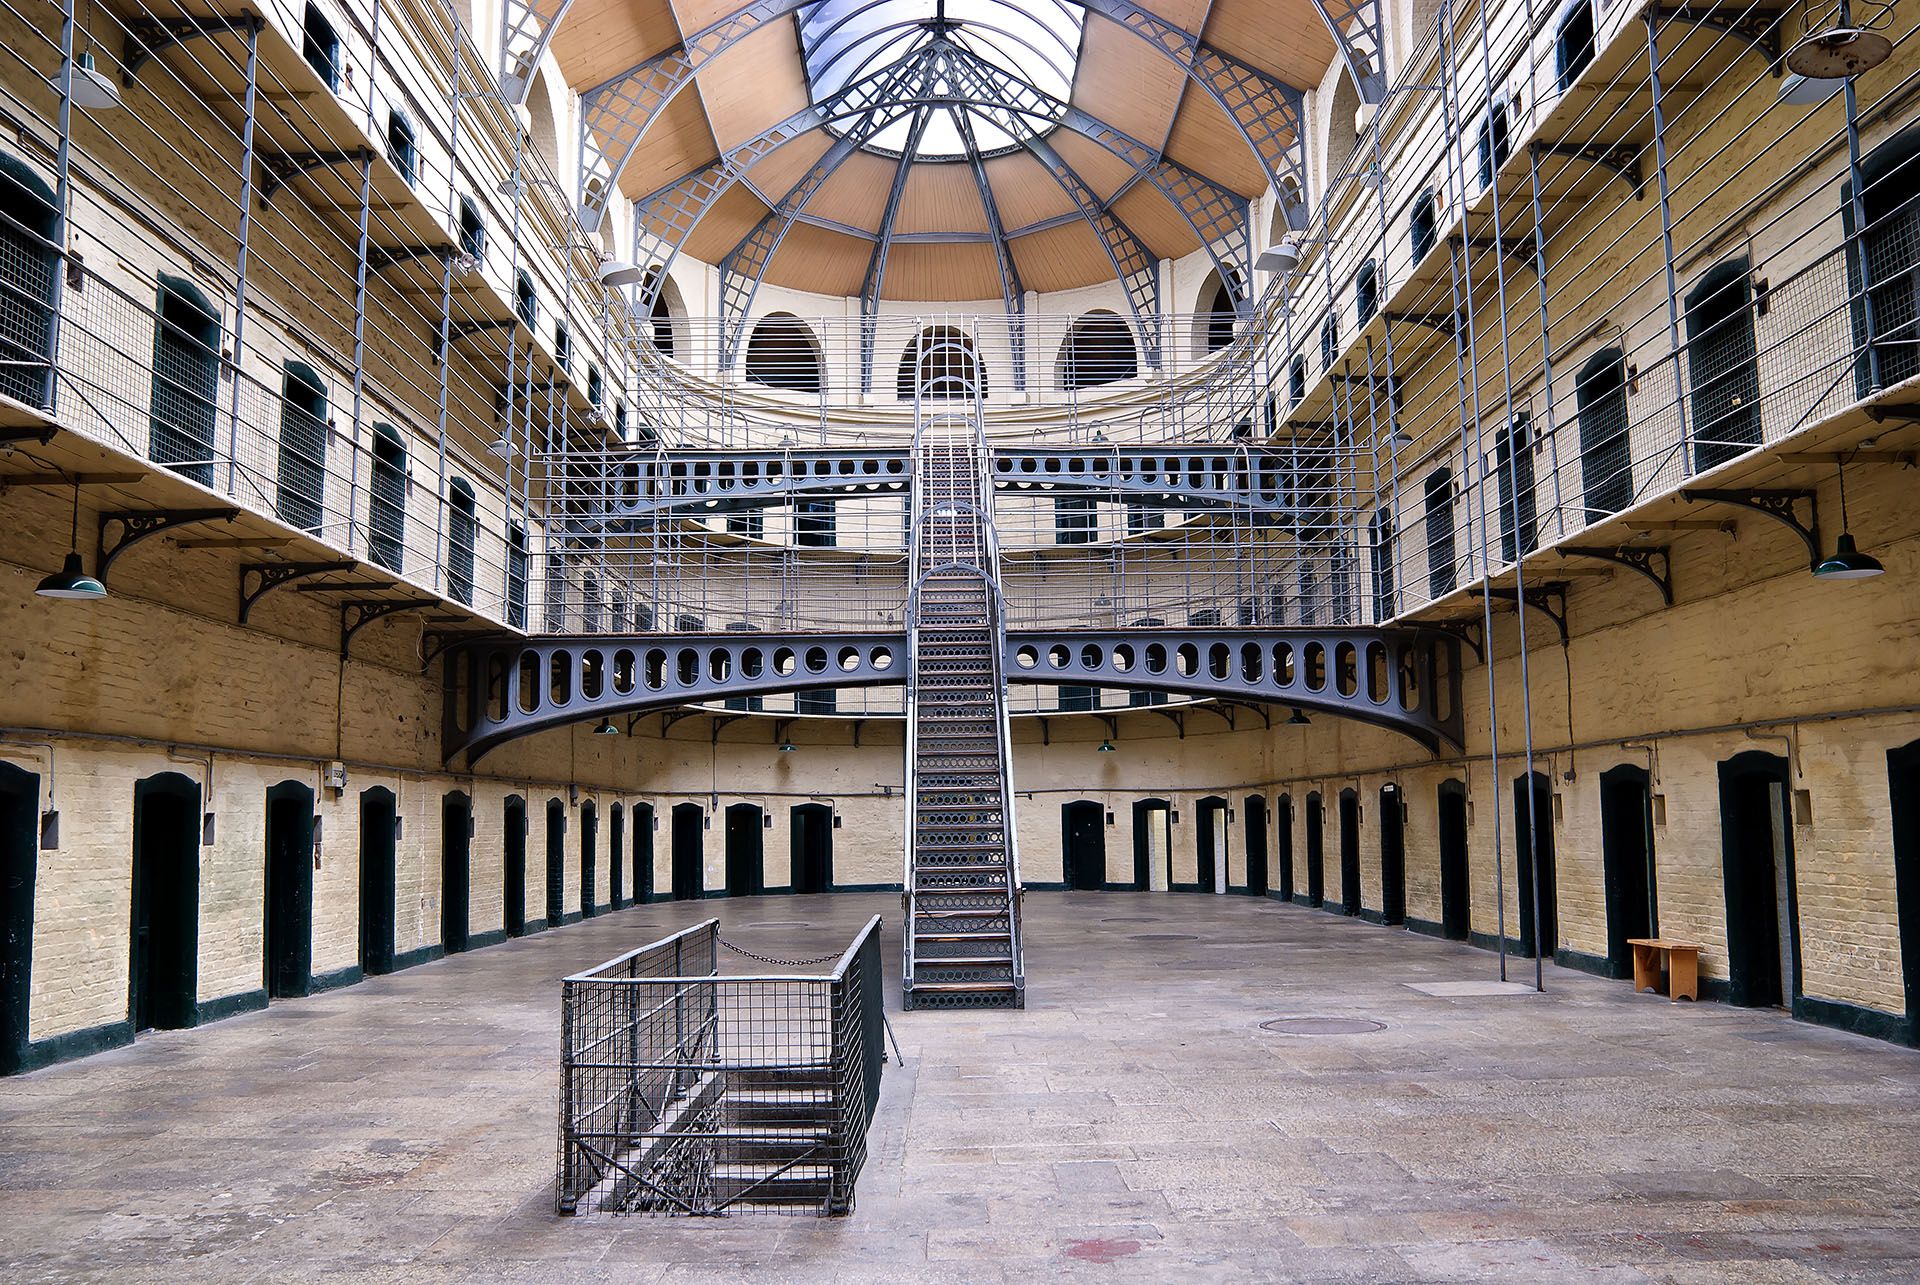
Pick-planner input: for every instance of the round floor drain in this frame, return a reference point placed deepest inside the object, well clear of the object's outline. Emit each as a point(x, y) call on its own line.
point(1163, 937)
point(1322, 1026)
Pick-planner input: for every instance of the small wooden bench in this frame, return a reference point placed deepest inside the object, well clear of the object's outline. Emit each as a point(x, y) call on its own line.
point(1682, 960)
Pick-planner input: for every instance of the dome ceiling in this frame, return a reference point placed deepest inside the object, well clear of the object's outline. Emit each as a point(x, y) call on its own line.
point(940, 150)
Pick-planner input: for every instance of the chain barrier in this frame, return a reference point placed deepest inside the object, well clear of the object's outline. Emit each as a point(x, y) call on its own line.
point(775, 960)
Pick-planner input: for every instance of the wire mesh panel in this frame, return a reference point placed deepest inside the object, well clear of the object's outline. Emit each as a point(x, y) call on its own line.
point(683, 1092)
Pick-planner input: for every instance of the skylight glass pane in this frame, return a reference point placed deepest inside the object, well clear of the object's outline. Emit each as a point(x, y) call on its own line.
point(846, 41)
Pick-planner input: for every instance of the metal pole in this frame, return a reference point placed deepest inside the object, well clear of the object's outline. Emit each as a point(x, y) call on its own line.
point(1546, 342)
point(240, 261)
point(1666, 237)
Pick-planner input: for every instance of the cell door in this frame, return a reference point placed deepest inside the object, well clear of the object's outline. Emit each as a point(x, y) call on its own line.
point(514, 875)
point(1316, 852)
point(1456, 912)
point(289, 888)
point(1626, 855)
point(1210, 840)
point(810, 847)
point(377, 841)
point(1256, 849)
point(689, 857)
point(1152, 844)
point(456, 870)
point(1903, 785)
point(19, 858)
point(746, 851)
point(1756, 840)
point(589, 856)
point(1283, 833)
point(1533, 830)
point(166, 903)
point(642, 815)
point(1349, 852)
point(1083, 844)
point(1393, 856)
point(556, 862)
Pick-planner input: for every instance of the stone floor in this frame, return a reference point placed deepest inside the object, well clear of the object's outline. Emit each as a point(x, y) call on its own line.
point(1134, 1123)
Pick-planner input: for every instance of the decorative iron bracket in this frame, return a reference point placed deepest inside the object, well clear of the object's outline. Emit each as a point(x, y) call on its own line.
point(1517, 248)
point(135, 527)
point(436, 642)
point(9, 436)
point(1471, 632)
point(148, 37)
point(1621, 158)
point(382, 257)
point(1778, 505)
point(277, 168)
point(1655, 562)
point(358, 614)
point(1447, 323)
point(269, 576)
point(1548, 599)
point(1759, 28)
point(1908, 411)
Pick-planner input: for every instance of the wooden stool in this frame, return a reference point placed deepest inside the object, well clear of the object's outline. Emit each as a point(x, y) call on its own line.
point(1682, 960)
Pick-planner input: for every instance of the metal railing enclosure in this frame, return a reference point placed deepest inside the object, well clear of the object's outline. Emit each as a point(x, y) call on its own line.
point(683, 1092)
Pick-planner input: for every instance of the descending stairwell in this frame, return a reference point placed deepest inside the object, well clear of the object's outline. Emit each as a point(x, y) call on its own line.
point(962, 945)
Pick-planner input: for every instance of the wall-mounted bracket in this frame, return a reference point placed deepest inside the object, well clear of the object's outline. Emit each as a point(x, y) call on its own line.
point(1447, 323)
point(268, 576)
point(1177, 717)
point(9, 436)
point(1621, 158)
point(468, 329)
point(1758, 27)
point(382, 257)
point(720, 721)
point(1781, 506)
point(436, 642)
point(1519, 249)
point(1655, 562)
point(358, 614)
point(135, 527)
point(1550, 600)
point(148, 37)
point(277, 168)
point(1884, 411)
point(1471, 632)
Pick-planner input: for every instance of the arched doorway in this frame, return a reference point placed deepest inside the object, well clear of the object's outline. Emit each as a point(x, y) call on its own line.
point(1098, 349)
point(1393, 855)
point(1626, 855)
point(1210, 844)
point(556, 863)
point(810, 847)
point(456, 869)
point(289, 890)
point(689, 855)
point(643, 852)
point(941, 364)
point(29, 219)
point(1533, 864)
point(379, 821)
point(186, 380)
point(1903, 785)
point(616, 856)
point(1083, 844)
point(746, 851)
point(1316, 851)
point(1152, 845)
point(19, 863)
point(1256, 845)
point(1349, 852)
point(166, 903)
point(513, 875)
point(1283, 832)
point(589, 856)
point(1455, 905)
point(1756, 849)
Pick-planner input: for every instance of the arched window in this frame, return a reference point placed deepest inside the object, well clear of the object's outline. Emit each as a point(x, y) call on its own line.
point(186, 380)
point(517, 576)
point(463, 530)
point(321, 46)
point(28, 217)
point(1723, 370)
point(1366, 292)
point(473, 229)
point(1606, 460)
point(303, 447)
point(1441, 573)
point(1890, 199)
point(594, 389)
point(660, 312)
point(1494, 143)
point(941, 364)
point(387, 500)
point(1513, 456)
point(1329, 341)
point(562, 345)
point(1422, 224)
point(1573, 48)
point(1220, 310)
point(526, 304)
point(401, 148)
point(1098, 350)
point(1296, 381)
point(1383, 601)
point(782, 353)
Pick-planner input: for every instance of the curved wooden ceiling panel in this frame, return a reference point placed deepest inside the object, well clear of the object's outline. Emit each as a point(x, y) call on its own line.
point(942, 198)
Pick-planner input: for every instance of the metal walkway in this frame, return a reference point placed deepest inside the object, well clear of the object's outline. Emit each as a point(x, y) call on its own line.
point(961, 947)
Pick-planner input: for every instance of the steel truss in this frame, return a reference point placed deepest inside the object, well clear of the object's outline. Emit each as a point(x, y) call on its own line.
point(1406, 680)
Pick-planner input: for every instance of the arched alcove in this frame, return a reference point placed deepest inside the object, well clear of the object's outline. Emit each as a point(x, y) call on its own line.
point(543, 122)
point(1216, 310)
point(784, 353)
point(1343, 109)
point(1098, 349)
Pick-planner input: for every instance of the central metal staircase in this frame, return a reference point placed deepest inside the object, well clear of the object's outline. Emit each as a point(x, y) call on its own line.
point(962, 944)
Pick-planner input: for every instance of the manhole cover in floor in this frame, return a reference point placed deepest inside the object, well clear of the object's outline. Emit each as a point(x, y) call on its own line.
point(1163, 937)
point(782, 923)
point(1322, 1026)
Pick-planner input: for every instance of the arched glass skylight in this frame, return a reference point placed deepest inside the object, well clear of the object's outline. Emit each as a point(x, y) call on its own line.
point(844, 41)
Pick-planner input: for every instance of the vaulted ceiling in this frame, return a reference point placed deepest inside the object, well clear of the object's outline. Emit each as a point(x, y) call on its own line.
point(1047, 144)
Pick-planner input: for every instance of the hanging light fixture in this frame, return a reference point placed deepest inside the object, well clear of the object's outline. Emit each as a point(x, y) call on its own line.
point(1299, 719)
point(1842, 50)
point(619, 272)
point(1808, 91)
point(1107, 747)
point(501, 446)
point(1283, 256)
point(788, 747)
point(1847, 562)
point(71, 581)
point(606, 728)
point(93, 90)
